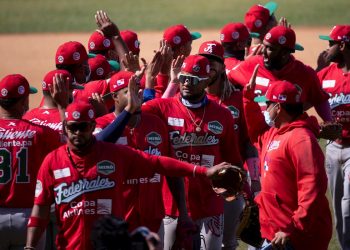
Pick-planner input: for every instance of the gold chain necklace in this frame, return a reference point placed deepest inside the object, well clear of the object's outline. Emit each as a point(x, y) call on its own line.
point(198, 126)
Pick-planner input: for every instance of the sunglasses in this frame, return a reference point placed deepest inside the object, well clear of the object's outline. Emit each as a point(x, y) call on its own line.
point(81, 126)
point(193, 80)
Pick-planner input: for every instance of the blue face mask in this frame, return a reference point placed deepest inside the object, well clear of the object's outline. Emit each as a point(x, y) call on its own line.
point(268, 120)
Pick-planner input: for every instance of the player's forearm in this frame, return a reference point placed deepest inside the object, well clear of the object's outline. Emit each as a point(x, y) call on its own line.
point(177, 189)
point(171, 167)
point(324, 111)
point(37, 224)
point(121, 49)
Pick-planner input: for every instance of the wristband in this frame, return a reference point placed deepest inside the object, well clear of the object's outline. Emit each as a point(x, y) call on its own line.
point(194, 170)
point(37, 222)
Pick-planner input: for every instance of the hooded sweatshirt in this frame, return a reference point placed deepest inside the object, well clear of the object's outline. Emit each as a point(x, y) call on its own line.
point(293, 179)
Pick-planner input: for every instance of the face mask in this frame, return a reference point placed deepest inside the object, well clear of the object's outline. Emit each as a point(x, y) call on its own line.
point(268, 119)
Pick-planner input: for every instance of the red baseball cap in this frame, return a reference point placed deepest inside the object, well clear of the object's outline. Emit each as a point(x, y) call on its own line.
point(131, 40)
point(258, 16)
point(99, 67)
point(196, 65)
point(235, 32)
point(15, 86)
point(281, 92)
point(284, 37)
point(71, 53)
point(212, 48)
point(120, 80)
point(178, 35)
point(338, 33)
point(80, 111)
point(98, 42)
point(48, 79)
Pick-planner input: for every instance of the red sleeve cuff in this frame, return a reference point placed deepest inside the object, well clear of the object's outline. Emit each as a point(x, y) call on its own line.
point(199, 171)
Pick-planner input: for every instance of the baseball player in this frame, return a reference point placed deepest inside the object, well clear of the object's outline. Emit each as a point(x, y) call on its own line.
point(335, 81)
point(98, 44)
point(84, 178)
point(100, 68)
point(278, 63)
point(23, 146)
point(293, 206)
point(200, 132)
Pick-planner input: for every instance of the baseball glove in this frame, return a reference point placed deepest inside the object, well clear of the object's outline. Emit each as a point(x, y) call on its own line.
point(229, 182)
point(330, 130)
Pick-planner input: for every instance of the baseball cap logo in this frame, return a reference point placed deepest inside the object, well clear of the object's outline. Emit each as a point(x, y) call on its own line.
point(222, 37)
point(44, 84)
point(60, 59)
point(136, 44)
point(21, 90)
point(268, 36)
point(258, 23)
point(120, 82)
point(99, 71)
point(177, 40)
point(76, 115)
point(91, 113)
point(209, 47)
point(196, 68)
point(106, 43)
point(235, 35)
point(92, 45)
point(282, 40)
point(4, 92)
point(76, 56)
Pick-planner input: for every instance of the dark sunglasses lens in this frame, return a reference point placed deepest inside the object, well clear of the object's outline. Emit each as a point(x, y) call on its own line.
point(188, 79)
point(82, 126)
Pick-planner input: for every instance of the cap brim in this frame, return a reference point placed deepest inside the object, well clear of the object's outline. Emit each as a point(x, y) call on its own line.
point(254, 35)
point(299, 47)
point(260, 99)
point(91, 55)
point(323, 37)
point(271, 6)
point(196, 35)
point(115, 66)
point(33, 90)
point(77, 86)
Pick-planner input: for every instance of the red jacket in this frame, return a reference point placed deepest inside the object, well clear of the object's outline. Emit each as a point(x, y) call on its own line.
point(293, 180)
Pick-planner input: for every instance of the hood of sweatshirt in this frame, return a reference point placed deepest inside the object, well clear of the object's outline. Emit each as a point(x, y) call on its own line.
point(303, 121)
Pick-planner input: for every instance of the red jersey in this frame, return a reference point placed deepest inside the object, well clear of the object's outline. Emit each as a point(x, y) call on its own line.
point(45, 117)
point(143, 196)
point(230, 63)
point(162, 82)
point(85, 188)
point(23, 147)
point(293, 180)
point(337, 84)
point(302, 76)
point(214, 143)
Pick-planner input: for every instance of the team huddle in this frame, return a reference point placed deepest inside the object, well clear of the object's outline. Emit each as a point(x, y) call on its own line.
point(182, 144)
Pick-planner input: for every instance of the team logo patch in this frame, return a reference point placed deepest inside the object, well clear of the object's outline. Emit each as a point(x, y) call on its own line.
point(21, 90)
point(38, 188)
point(92, 45)
point(106, 43)
point(273, 145)
point(76, 56)
point(44, 84)
point(177, 40)
point(234, 111)
point(282, 40)
point(258, 23)
point(209, 47)
point(215, 127)
point(91, 113)
point(268, 36)
point(222, 37)
point(4, 92)
point(196, 68)
point(105, 167)
point(99, 71)
point(136, 44)
point(76, 115)
point(60, 59)
point(235, 35)
point(154, 138)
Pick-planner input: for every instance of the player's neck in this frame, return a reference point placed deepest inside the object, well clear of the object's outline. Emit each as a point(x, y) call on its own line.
point(345, 64)
point(48, 103)
point(215, 88)
point(10, 114)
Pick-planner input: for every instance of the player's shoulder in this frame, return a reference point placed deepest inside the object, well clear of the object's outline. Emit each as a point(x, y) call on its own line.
point(331, 69)
point(104, 120)
point(218, 110)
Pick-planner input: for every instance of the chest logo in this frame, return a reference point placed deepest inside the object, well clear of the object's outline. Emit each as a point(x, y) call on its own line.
point(154, 138)
point(215, 127)
point(105, 167)
point(234, 111)
point(274, 145)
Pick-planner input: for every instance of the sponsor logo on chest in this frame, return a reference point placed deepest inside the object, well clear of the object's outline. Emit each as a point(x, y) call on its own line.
point(215, 127)
point(154, 138)
point(105, 167)
point(234, 111)
point(192, 139)
point(273, 145)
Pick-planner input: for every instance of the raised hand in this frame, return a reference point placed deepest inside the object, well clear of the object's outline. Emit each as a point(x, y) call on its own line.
point(258, 51)
point(131, 62)
point(176, 68)
point(134, 95)
point(59, 90)
point(283, 22)
point(252, 82)
point(97, 102)
point(167, 55)
point(108, 28)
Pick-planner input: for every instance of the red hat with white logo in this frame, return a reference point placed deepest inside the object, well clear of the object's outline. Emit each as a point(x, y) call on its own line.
point(196, 65)
point(120, 80)
point(284, 37)
point(178, 35)
point(258, 16)
point(281, 92)
point(99, 67)
point(48, 79)
point(131, 40)
point(71, 53)
point(212, 49)
point(235, 32)
point(80, 111)
point(339, 33)
point(98, 42)
point(15, 86)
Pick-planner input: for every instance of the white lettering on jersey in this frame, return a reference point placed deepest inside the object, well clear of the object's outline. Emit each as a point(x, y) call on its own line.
point(172, 121)
point(328, 84)
point(192, 139)
point(61, 173)
point(339, 99)
point(262, 81)
point(52, 125)
point(14, 134)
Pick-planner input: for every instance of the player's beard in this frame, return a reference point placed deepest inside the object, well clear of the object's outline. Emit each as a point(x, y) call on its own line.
point(193, 98)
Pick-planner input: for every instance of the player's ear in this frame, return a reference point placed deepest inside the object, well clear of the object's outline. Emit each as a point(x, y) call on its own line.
point(342, 46)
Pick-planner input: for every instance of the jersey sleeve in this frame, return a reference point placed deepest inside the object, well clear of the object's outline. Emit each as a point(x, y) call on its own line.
point(316, 94)
point(152, 107)
point(162, 81)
